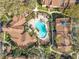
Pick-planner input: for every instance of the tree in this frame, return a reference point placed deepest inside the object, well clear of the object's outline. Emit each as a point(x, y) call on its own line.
point(73, 11)
point(16, 6)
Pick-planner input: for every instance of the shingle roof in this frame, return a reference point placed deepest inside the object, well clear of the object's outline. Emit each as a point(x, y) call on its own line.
point(59, 27)
point(63, 39)
point(16, 30)
point(57, 3)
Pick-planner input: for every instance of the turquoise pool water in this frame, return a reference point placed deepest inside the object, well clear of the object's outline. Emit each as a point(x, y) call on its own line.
point(41, 27)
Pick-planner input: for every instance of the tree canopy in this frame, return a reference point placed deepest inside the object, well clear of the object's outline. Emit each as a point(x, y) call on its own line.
point(73, 11)
point(16, 6)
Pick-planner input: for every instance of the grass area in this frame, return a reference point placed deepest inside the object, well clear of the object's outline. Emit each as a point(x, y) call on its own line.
point(42, 8)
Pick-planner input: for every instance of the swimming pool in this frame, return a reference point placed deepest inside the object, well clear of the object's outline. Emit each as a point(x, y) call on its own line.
point(40, 26)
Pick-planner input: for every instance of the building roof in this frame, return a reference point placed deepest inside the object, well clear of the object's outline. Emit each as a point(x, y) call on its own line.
point(63, 19)
point(63, 39)
point(57, 3)
point(60, 27)
point(51, 2)
point(16, 31)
